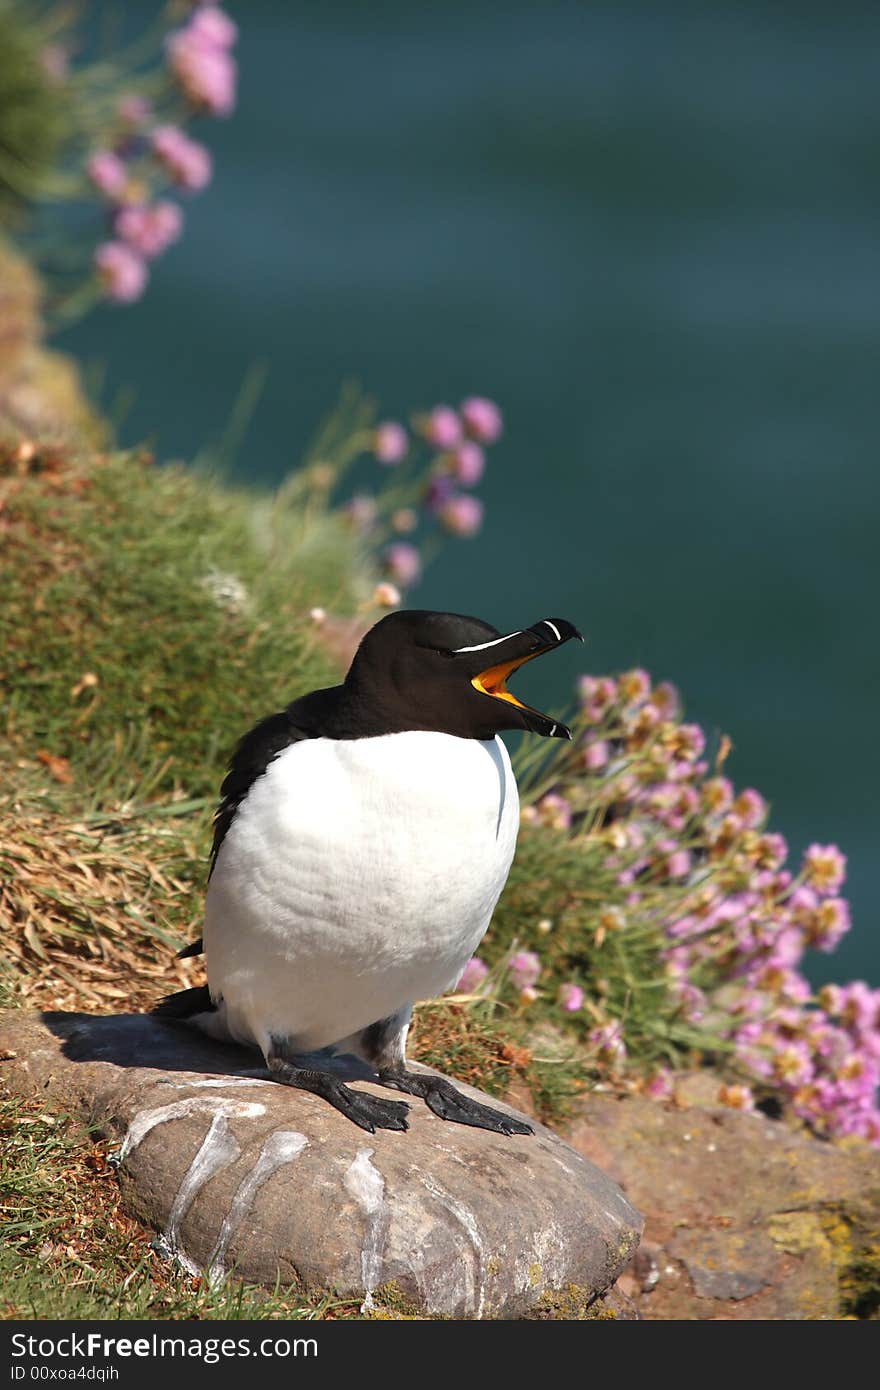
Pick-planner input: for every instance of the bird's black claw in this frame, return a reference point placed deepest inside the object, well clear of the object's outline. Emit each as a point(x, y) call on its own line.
point(463, 1111)
point(446, 1101)
point(373, 1112)
point(366, 1111)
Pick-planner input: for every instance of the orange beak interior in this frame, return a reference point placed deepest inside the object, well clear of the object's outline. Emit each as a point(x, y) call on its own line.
point(492, 682)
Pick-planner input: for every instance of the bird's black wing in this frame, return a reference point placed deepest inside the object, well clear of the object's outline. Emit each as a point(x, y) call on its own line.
point(252, 756)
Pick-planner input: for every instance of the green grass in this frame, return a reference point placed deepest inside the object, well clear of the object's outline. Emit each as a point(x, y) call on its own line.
point(556, 903)
point(150, 615)
point(68, 1251)
point(32, 111)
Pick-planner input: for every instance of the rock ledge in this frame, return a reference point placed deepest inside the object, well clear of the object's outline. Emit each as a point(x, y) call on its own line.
point(240, 1173)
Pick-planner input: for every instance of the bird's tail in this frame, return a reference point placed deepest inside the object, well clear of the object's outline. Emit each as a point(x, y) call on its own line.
point(185, 1004)
point(195, 948)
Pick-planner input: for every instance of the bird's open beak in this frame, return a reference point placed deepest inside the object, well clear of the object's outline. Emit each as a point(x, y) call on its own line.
point(511, 652)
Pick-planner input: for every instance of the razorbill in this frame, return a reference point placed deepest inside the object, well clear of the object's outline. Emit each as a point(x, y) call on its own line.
point(362, 840)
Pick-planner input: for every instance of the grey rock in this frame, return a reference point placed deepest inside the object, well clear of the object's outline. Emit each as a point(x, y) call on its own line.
point(241, 1174)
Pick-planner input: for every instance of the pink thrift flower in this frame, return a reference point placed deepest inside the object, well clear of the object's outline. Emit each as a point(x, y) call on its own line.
point(482, 419)
point(107, 172)
point(596, 756)
point(728, 831)
point(442, 427)
point(831, 998)
point(647, 718)
point(691, 740)
point(824, 868)
point(796, 987)
point(678, 865)
point(188, 163)
point(661, 1084)
point(571, 998)
point(717, 795)
point(403, 563)
point(828, 924)
point(586, 688)
point(608, 1042)
point(468, 463)
point(634, 685)
point(772, 850)
point(859, 1006)
point(554, 811)
point(462, 514)
point(472, 976)
point(792, 1064)
point(438, 492)
point(361, 511)
point(123, 273)
point(857, 1076)
point(667, 699)
point(149, 230)
point(405, 520)
point(206, 72)
point(390, 442)
point(134, 110)
point(802, 901)
point(693, 1002)
point(524, 969)
point(596, 695)
point(213, 27)
point(751, 807)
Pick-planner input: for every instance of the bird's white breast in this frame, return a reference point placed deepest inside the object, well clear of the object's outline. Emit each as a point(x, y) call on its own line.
point(357, 876)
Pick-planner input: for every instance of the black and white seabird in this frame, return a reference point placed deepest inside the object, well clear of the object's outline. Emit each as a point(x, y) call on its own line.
point(362, 841)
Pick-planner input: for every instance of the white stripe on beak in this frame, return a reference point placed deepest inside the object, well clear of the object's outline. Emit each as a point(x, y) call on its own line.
point(481, 646)
point(553, 628)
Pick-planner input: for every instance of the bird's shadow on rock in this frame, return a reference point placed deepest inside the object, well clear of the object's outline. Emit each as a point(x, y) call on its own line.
point(141, 1040)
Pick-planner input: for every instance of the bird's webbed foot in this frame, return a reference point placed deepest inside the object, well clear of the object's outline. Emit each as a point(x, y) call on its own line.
point(368, 1111)
point(451, 1104)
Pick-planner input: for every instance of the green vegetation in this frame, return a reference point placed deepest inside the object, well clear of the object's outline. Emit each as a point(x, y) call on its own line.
point(150, 615)
point(68, 1252)
point(564, 903)
point(32, 112)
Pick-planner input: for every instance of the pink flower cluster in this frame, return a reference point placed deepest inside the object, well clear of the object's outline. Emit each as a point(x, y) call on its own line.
point(522, 971)
point(199, 56)
point(187, 163)
point(149, 230)
point(456, 441)
point(460, 438)
point(121, 271)
point(694, 855)
point(141, 151)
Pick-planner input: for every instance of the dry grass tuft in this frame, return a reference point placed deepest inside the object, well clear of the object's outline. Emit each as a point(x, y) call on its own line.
point(92, 910)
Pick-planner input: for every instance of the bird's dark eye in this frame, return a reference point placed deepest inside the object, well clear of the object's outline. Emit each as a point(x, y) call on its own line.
point(437, 651)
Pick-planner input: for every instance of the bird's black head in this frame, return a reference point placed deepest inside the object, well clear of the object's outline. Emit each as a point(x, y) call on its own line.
point(447, 673)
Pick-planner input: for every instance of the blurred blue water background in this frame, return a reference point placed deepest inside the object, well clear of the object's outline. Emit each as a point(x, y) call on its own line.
point(651, 231)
